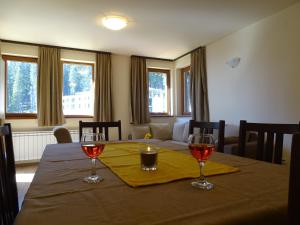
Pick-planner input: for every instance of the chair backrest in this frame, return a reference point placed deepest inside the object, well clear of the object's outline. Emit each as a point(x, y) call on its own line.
point(62, 135)
point(209, 127)
point(265, 151)
point(98, 128)
point(9, 206)
point(294, 185)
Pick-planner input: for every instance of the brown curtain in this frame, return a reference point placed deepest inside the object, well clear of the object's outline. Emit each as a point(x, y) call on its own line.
point(50, 86)
point(139, 91)
point(2, 88)
point(103, 96)
point(199, 96)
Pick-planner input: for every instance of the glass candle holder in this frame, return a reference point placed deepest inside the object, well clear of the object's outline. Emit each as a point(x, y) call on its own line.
point(149, 159)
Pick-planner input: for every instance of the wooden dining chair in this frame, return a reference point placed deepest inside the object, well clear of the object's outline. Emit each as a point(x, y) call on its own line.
point(209, 127)
point(62, 135)
point(98, 128)
point(265, 150)
point(9, 206)
point(294, 184)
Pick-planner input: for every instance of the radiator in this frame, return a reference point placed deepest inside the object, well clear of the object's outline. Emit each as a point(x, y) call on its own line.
point(29, 145)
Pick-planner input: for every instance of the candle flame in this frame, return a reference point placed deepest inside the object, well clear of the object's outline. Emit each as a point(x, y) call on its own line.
point(148, 148)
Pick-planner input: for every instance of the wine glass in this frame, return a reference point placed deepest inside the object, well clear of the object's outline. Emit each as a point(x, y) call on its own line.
point(201, 147)
point(92, 144)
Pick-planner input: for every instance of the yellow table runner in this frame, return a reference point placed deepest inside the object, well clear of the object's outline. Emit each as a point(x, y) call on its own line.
point(124, 160)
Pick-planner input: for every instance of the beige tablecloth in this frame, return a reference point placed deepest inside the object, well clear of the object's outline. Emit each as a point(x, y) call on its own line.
point(58, 196)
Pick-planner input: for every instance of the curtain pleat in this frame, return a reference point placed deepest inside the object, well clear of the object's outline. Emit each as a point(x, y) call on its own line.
point(199, 95)
point(139, 91)
point(50, 86)
point(103, 93)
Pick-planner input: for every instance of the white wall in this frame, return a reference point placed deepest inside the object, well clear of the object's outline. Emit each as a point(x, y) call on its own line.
point(265, 86)
point(121, 92)
point(19, 50)
point(183, 61)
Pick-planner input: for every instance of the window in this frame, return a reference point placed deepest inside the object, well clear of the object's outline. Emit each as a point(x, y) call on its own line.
point(159, 91)
point(186, 88)
point(21, 87)
point(78, 91)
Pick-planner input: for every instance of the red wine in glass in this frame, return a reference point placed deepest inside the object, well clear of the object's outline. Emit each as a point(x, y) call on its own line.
point(201, 147)
point(201, 151)
point(92, 150)
point(92, 144)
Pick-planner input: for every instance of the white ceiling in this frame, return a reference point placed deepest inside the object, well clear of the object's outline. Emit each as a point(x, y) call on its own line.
point(157, 28)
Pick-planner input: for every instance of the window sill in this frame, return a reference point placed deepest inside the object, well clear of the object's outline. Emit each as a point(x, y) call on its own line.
point(185, 115)
point(12, 116)
point(160, 115)
point(78, 116)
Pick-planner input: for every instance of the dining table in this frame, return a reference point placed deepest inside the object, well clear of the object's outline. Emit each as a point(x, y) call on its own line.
point(256, 195)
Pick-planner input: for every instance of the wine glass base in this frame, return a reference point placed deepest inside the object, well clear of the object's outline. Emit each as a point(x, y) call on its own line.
point(202, 184)
point(93, 179)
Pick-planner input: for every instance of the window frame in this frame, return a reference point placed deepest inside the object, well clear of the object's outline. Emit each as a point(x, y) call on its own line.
point(19, 59)
point(167, 72)
point(183, 71)
point(93, 83)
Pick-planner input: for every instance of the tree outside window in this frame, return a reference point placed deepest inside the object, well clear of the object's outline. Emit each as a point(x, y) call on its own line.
point(78, 92)
point(159, 91)
point(21, 86)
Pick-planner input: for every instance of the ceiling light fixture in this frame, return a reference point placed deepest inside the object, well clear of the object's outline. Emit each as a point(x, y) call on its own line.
point(114, 22)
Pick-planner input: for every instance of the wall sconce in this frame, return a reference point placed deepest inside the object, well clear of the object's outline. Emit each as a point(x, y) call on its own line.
point(234, 62)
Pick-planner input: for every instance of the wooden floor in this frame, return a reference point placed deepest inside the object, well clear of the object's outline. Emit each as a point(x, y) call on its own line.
point(24, 175)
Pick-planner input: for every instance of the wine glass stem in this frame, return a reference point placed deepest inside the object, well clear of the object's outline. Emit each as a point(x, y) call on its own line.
point(93, 167)
point(202, 177)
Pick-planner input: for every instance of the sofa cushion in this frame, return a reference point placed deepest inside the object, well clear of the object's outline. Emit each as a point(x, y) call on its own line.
point(250, 149)
point(138, 132)
point(186, 132)
point(231, 130)
point(178, 131)
point(251, 136)
point(231, 140)
point(161, 131)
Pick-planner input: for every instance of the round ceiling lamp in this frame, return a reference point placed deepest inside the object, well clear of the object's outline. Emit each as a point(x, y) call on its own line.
point(114, 22)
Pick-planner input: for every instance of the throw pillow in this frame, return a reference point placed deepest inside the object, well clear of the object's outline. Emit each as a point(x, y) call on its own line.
point(139, 132)
point(178, 131)
point(186, 132)
point(161, 131)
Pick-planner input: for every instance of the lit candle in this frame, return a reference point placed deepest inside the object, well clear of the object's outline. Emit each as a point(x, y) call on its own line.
point(148, 159)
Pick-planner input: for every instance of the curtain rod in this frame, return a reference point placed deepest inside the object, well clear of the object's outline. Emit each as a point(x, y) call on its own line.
point(188, 53)
point(53, 46)
point(154, 58)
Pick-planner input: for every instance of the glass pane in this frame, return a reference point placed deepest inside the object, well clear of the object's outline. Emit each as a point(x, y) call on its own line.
point(21, 87)
point(158, 89)
point(187, 86)
point(78, 94)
